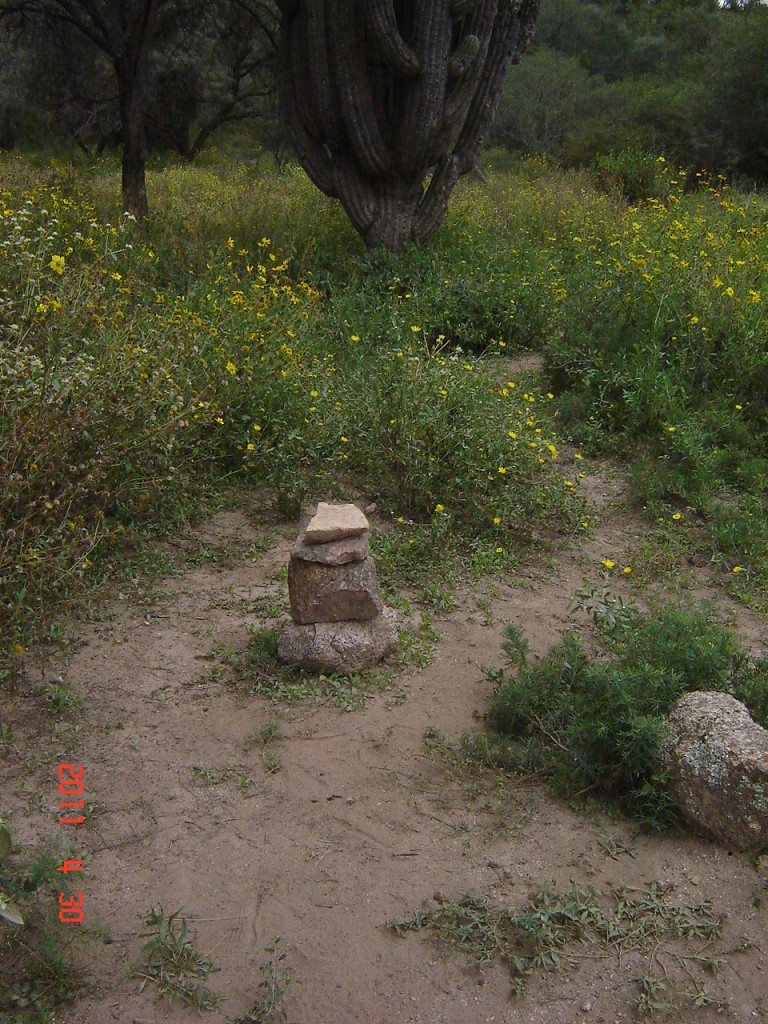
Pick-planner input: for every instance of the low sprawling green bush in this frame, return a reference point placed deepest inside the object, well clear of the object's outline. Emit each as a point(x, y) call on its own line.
point(596, 725)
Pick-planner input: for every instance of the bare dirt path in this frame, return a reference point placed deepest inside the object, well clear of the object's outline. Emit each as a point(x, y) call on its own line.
point(347, 820)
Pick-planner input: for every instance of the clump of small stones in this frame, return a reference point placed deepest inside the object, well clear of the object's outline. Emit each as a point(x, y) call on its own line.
point(339, 621)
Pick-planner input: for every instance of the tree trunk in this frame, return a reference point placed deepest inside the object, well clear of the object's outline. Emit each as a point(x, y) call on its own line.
point(134, 152)
point(130, 46)
point(397, 211)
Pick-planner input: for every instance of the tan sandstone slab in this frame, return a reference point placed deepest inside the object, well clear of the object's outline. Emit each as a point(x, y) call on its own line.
point(334, 522)
point(717, 760)
point(334, 552)
point(339, 646)
point(333, 593)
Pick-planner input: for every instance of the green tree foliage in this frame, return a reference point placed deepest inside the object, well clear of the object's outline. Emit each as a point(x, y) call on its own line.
point(734, 103)
point(688, 79)
point(547, 103)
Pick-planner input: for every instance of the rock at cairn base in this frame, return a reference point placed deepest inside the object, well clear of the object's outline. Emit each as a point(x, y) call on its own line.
point(339, 646)
point(717, 760)
point(339, 622)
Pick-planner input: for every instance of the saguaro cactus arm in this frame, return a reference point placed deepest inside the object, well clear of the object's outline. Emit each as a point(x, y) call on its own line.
point(376, 94)
point(385, 34)
point(350, 68)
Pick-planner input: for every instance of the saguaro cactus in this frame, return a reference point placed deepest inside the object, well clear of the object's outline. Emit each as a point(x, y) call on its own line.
point(376, 94)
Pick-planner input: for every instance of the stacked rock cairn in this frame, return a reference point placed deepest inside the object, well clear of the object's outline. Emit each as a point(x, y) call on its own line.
point(339, 621)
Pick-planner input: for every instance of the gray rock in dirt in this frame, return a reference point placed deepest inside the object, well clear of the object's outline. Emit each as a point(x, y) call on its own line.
point(335, 552)
point(333, 593)
point(717, 759)
point(339, 646)
point(334, 522)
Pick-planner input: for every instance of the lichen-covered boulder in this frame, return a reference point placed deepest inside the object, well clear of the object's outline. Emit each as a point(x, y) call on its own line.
point(717, 760)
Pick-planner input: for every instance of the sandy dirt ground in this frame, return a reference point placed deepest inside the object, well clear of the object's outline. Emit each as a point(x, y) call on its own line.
point(352, 820)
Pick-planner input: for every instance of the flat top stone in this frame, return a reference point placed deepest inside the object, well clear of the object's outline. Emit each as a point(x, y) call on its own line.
point(333, 552)
point(334, 522)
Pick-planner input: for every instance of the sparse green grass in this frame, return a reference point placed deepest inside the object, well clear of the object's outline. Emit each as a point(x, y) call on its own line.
point(269, 733)
point(180, 971)
point(551, 932)
point(38, 975)
point(260, 672)
point(216, 776)
point(270, 992)
point(473, 753)
point(486, 770)
point(61, 700)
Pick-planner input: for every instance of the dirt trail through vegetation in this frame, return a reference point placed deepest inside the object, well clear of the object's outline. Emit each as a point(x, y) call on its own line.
point(319, 826)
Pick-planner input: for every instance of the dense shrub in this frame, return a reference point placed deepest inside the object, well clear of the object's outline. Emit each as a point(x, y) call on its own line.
point(595, 725)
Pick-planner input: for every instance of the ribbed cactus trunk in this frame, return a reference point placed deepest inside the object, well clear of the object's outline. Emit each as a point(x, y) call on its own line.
point(376, 94)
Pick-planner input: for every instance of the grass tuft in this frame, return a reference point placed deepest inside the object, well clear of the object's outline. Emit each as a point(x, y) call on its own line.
point(173, 964)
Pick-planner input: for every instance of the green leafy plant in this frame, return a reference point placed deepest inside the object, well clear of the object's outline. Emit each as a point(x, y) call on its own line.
point(173, 964)
point(635, 174)
point(37, 975)
point(609, 612)
point(8, 910)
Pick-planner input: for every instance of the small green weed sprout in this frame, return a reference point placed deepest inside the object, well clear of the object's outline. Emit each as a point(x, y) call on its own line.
point(275, 979)
point(61, 700)
point(269, 733)
point(173, 964)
